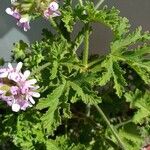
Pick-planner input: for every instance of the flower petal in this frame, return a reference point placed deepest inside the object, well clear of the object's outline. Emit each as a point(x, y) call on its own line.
point(32, 81)
point(10, 66)
point(24, 105)
point(53, 6)
point(23, 20)
point(35, 94)
point(3, 75)
point(31, 100)
point(19, 66)
point(26, 26)
point(9, 11)
point(15, 107)
point(14, 76)
point(26, 74)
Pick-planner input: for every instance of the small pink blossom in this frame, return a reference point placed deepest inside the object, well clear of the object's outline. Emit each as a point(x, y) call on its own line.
point(52, 10)
point(22, 22)
point(21, 90)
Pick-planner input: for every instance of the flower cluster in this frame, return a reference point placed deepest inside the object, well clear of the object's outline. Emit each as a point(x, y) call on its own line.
point(24, 21)
point(15, 89)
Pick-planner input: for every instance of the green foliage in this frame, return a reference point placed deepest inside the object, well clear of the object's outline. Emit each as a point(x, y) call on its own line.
point(136, 58)
point(68, 18)
point(24, 129)
point(109, 17)
point(63, 143)
point(131, 135)
point(18, 50)
point(141, 103)
point(65, 117)
point(90, 98)
point(113, 70)
point(51, 119)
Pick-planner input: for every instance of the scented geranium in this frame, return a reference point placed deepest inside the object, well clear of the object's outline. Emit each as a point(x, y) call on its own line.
point(16, 89)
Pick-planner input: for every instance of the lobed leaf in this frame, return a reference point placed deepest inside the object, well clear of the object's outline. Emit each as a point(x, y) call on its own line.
point(141, 103)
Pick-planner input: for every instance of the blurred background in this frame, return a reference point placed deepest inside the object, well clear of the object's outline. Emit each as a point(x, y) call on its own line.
point(137, 11)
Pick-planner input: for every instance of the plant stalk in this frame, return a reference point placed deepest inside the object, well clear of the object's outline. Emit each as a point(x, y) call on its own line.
point(99, 4)
point(86, 46)
point(85, 57)
point(113, 130)
point(81, 2)
point(98, 60)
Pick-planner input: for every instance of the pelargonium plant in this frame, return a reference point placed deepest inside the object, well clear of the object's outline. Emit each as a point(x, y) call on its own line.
point(72, 101)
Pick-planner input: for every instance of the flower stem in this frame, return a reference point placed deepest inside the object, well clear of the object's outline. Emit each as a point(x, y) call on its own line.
point(85, 57)
point(86, 46)
point(114, 131)
point(81, 2)
point(99, 4)
point(98, 60)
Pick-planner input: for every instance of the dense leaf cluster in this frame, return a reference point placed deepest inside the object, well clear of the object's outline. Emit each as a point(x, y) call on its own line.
point(65, 117)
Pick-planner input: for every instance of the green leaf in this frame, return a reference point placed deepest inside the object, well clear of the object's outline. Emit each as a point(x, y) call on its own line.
point(24, 130)
point(131, 136)
point(112, 70)
point(66, 110)
point(68, 18)
point(71, 66)
point(141, 103)
point(51, 145)
point(138, 57)
point(65, 143)
point(142, 71)
point(52, 99)
point(19, 50)
point(85, 97)
point(106, 75)
point(109, 17)
point(119, 81)
point(51, 119)
point(128, 40)
point(54, 70)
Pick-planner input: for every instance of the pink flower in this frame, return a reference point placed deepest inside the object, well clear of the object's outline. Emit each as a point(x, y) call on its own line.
point(13, 13)
point(21, 21)
point(15, 89)
point(52, 10)
point(24, 23)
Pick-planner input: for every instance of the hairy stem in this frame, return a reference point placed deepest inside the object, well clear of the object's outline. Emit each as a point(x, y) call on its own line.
point(94, 62)
point(86, 46)
point(123, 123)
point(99, 4)
point(81, 2)
point(85, 56)
point(113, 130)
